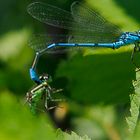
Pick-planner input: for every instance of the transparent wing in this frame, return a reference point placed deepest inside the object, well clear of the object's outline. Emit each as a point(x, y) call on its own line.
point(51, 15)
point(81, 19)
point(86, 25)
point(40, 42)
point(99, 29)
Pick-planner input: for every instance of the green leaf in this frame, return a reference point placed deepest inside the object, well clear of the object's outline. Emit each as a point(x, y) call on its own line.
point(97, 78)
point(135, 104)
point(73, 136)
point(136, 135)
point(18, 123)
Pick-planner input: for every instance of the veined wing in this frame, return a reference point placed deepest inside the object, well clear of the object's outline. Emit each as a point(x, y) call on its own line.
point(96, 25)
point(40, 42)
point(51, 15)
point(82, 20)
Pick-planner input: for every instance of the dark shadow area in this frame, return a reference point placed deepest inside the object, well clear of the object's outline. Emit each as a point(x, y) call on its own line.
point(131, 7)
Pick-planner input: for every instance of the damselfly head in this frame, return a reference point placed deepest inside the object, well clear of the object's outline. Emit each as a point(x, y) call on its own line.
point(45, 77)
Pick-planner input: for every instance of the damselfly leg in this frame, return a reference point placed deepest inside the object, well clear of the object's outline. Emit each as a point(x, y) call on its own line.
point(49, 98)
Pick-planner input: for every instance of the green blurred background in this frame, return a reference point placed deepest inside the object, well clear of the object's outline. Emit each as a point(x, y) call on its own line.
point(96, 83)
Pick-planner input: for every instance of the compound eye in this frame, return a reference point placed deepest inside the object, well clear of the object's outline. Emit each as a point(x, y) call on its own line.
point(44, 77)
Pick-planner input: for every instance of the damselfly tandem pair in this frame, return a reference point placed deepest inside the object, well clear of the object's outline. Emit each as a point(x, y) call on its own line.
point(90, 30)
